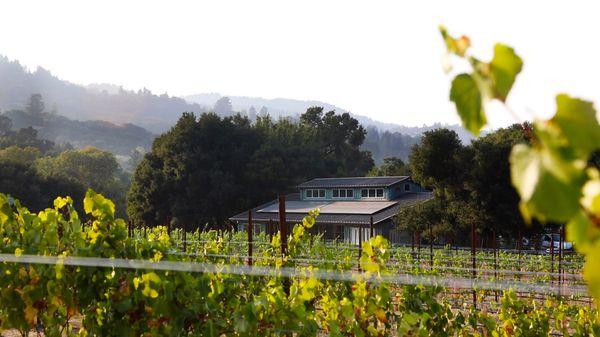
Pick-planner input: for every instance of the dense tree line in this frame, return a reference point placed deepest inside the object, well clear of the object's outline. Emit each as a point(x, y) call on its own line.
point(207, 168)
point(386, 144)
point(36, 170)
point(471, 183)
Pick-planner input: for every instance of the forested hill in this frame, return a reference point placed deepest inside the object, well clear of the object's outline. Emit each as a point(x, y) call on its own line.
point(284, 107)
point(156, 113)
point(118, 139)
point(117, 120)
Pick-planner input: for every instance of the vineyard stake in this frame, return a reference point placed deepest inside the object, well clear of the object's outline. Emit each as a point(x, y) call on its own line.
point(431, 246)
point(413, 245)
point(283, 234)
point(473, 258)
point(371, 226)
point(552, 255)
point(418, 245)
point(360, 238)
point(282, 225)
point(270, 229)
point(250, 234)
point(560, 266)
point(495, 243)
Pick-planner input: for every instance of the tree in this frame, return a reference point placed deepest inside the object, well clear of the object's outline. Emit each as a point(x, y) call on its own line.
point(422, 216)
point(23, 182)
point(223, 107)
point(340, 138)
point(89, 167)
point(206, 169)
point(135, 158)
point(436, 162)
point(5, 125)
point(489, 183)
point(26, 155)
point(252, 113)
point(36, 105)
point(264, 111)
point(392, 166)
point(472, 183)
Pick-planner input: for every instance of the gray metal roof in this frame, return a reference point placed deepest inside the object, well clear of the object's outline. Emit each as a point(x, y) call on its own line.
point(269, 211)
point(353, 182)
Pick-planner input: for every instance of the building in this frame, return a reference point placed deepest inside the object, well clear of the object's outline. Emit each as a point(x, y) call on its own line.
point(346, 206)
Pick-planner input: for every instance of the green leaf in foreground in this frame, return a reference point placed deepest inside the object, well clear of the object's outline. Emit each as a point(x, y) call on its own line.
point(467, 97)
point(504, 68)
point(545, 193)
point(577, 120)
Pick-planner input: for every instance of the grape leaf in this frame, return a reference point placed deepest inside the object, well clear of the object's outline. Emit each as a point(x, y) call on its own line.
point(504, 68)
point(577, 120)
point(467, 97)
point(544, 194)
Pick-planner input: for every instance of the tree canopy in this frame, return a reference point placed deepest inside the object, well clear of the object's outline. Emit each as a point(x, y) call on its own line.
point(207, 168)
point(471, 183)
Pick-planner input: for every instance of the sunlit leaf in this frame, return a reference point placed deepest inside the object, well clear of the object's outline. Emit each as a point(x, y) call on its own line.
point(504, 68)
point(466, 96)
point(543, 193)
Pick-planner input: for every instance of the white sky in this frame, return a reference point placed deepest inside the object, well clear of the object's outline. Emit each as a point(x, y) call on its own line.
point(376, 58)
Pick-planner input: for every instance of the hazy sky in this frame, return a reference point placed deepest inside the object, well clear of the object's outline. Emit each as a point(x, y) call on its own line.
point(376, 58)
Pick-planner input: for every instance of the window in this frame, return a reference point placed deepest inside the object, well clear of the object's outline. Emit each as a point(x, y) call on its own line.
point(407, 187)
point(343, 193)
point(311, 194)
point(372, 193)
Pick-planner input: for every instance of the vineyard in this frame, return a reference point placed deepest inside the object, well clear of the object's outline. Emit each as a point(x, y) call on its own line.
point(92, 275)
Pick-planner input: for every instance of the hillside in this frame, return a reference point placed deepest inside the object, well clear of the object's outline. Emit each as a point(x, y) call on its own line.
point(118, 139)
point(154, 112)
point(118, 120)
point(284, 107)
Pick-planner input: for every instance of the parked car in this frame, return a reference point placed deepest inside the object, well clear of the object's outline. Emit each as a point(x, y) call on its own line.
point(547, 239)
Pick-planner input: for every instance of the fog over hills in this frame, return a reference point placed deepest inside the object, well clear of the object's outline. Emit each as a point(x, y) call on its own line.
point(285, 107)
point(118, 120)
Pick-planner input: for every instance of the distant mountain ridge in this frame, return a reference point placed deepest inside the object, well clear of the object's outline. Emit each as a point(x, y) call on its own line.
point(115, 119)
point(118, 139)
point(284, 107)
point(156, 113)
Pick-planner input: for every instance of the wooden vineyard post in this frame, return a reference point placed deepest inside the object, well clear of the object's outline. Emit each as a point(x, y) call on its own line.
point(552, 256)
point(413, 246)
point(495, 243)
point(474, 261)
point(250, 234)
point(282, 225)
point(560, 257)
point(283, 234)
point(360, 239)
point(371, 227)
point(418, 245)
point(430, 247)
point(271, 230)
